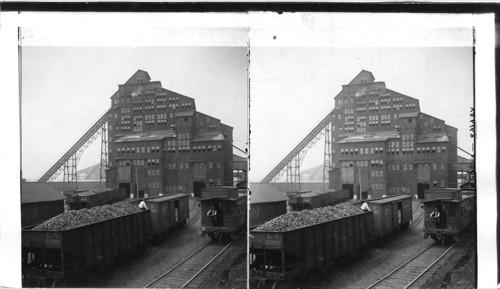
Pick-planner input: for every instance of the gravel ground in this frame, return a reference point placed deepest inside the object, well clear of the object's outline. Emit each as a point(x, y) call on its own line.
point(460, 269)
point(231, 269)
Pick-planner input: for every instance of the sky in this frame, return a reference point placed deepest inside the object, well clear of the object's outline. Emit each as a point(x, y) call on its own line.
point(293, 89)
point(66, 89)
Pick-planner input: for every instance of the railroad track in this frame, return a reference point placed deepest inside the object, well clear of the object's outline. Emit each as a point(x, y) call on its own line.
point(186, 271)
point(410, 272)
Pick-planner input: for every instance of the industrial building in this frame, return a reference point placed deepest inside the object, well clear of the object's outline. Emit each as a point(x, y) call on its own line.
point(158, 143)
point(382, 144)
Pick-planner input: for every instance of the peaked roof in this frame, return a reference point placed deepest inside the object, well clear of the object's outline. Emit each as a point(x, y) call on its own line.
point(140, 76)
point(39, 192)
point(265, 193)
point(363, 77)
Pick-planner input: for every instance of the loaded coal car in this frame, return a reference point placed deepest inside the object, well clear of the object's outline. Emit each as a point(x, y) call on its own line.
point(94, 198)
point(168, 212)
point(223, 211)
point(74, 242)
point(391, 213)
point(455, 213)
point(318, 199)
point(294, 243)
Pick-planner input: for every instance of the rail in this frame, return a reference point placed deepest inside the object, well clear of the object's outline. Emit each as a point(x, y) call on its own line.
point(299, 148)
point(178, 278)
point(384, 282)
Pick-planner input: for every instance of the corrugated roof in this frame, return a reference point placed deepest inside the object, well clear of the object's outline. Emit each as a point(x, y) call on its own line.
point(147, 136)
point(167, 198)
point(39, 192)
point(371, 137)
point(208, 136)
point(432, 137)
point(265, 193)
point(184, 113)
point(408, 114)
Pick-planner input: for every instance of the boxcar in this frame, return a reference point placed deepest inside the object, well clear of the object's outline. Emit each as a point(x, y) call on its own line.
point(391, 213)
point(54, 255)
point(278, 256)
point(231, 207)
point(443, 193)
point(317, 199)
point(455, 216)
point(168, 212)
point(37, 212)
point(94, 198)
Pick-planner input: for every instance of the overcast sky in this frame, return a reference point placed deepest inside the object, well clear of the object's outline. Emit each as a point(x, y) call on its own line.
point(67, 89)
point(293, 89)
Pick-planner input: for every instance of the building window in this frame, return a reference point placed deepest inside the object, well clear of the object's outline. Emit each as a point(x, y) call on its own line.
point(442, 166)
point(434, 166)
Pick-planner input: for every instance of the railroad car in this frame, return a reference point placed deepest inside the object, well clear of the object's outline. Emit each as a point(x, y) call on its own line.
point(168, 212)
point(94, 198)
point(231, 206)
point(391, 213)
point(49, 256)
point(317, 199)
point(456, 213)
point(278, 256)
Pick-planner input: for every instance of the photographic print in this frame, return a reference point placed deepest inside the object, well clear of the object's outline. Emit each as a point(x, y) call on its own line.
point(134, 160)
point(362, 172)
point(247, 150)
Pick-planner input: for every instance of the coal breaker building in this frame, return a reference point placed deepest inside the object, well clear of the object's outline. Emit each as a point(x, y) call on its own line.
point(158, 143)
point(382, 144)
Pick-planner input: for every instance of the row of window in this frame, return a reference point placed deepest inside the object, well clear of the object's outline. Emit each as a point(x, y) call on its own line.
point(154, 172)
point(376, 187)
point(364, 163)
point(419, 150)
point(377, 150)
point(377, 174)
point(173, 166)
point(154, 185)
point(132, 150)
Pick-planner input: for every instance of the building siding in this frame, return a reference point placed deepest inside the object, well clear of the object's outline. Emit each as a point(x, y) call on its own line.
point(164, 165)
point(408, 154)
